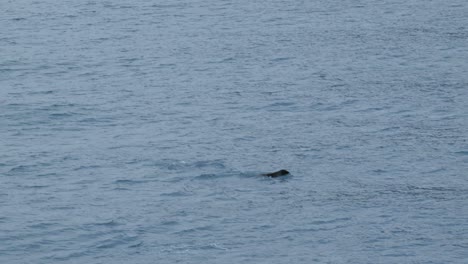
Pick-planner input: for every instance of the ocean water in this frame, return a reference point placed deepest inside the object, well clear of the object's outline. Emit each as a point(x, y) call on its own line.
point(135, 131)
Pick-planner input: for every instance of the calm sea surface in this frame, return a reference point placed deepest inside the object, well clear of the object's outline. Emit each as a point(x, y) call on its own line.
point(134, 131)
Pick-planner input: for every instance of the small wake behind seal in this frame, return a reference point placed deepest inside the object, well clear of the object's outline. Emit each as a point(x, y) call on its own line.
point(276, 173)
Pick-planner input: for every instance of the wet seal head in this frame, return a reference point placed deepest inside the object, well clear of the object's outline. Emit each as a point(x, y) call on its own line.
point(276, 173)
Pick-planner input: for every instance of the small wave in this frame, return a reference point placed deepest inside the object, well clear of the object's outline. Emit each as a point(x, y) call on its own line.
point(169, 223)
point(195, 229)
point(109, 223)
point(422, 192)
point(435, 171)
point(136, 245)
point(86, 167)
point(176, 194)
point(68, 255)
point(212, 246)
point(392, 128)
point(61, 115)
point(332, 221)
point(182, 165)
point(371, 109)
point(42, 226)
point(281, 59)
point(56, 106)
point(167, 6)
point(174, 179)
point(22, 168)
point(188, 248)
point(35, 186)
point(212, 176)
point(229, 59)
point(122, 189)
point(214, 163)
point(379, 171)
point(42, 92)
point(280, 104)
point(129, 181)
point(206, 176)
point(434, 188)
point(61, 207)
point(117, 240)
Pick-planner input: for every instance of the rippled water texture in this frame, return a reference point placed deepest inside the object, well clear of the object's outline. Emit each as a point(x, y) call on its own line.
point(134, 131)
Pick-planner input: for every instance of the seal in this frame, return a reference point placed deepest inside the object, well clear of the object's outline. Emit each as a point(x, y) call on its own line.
point(276, 173)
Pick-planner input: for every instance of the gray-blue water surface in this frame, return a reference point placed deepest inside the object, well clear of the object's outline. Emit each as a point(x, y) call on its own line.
point(134, 131)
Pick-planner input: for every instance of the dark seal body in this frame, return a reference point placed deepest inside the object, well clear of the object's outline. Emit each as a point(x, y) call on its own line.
point(276, 173)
